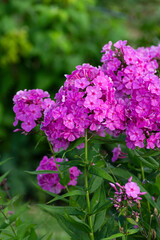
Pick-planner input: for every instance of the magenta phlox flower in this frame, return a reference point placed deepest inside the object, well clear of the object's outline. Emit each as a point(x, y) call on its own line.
point(68, 121)
point(130, 192)
point(120, 44)
point(94, 91)
point(50, 181)
point(136, 80)
point(107, 47)
point(29, 107)
point(117, 153)
point(81, 83)
point(151, 141)
point(28, 124)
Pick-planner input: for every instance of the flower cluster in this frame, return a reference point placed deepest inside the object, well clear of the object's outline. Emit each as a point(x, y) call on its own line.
point(135, 78)
point(50, 181)
point(130, 192)
point(122, 96)
point(29, 107)
point(86, 101)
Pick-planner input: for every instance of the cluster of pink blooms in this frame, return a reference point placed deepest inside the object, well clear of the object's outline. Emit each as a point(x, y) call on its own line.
point(86, 101)
point(50, 181)
point(129, 192)
point(135, 77)
point(122, 96)
point(29, 107)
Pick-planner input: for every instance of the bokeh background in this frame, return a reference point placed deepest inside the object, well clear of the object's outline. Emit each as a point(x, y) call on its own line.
point(40, 41)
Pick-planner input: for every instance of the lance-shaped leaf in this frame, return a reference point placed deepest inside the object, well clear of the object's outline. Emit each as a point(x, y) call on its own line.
point(117, 235)
point(61, 209)
point(69, 194)
point(100, 173)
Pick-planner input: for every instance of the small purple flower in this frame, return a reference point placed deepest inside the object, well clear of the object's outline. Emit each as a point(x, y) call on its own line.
point(132, 190)
point(117, 153)
point(50, 181)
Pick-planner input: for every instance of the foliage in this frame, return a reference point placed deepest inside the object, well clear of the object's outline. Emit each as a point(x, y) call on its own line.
point(40, 42)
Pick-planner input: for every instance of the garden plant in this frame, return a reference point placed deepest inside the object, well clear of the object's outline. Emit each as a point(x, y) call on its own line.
point(112, 107)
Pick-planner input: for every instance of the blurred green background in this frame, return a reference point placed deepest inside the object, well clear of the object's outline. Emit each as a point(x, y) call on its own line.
point(40, 41)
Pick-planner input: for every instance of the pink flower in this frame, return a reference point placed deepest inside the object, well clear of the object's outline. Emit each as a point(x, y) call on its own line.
point(117, 153)
point(69, 121)
point(50, 181)
point(132, 190)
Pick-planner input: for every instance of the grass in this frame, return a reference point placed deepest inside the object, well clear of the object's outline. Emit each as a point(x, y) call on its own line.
point(45, 223)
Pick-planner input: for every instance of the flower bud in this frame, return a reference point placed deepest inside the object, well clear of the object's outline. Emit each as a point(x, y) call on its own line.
point(153, 234)
point(138, 205)
point(155, 211)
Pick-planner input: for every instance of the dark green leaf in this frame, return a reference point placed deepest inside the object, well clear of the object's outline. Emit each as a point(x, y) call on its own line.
point(95, 184)
point(74, 144)
point(77, 223)
point(13, 217)
point(151, 163)
point(41, 172)
point(49, 193)
point(60, 210)
point(71, 193)
point(70, 229)
point(100, 173)
point(3, 176)
point(4, 161)
point(130, 232)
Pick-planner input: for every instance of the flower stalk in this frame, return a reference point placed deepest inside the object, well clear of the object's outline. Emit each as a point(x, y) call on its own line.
point(86, 186)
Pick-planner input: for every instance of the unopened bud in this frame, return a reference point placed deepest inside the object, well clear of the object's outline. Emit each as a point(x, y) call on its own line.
point(138, 205)
point(153, 234)
point(121, 229)
point(137, 218)
point(158, 218)
point(155, 211)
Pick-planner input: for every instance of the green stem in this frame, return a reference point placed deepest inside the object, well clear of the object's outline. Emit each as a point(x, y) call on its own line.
point(59, 171)
point(143, 178)
point(126, 224)
point(142, 171)
point(86, 186)
point(10, 224)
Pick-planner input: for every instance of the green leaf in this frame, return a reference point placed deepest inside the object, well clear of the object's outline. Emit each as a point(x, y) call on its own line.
point(74, 144)
point(100, 173)
point(4, 161)
point(65, 178)
point(130, 232)
point(133, 222)
point(14, 216)
point(97, 201)
point(103, 207)
point(72, 163)
point(107, 229)
point(95, 184)
point(41, 172)
point(70, 229)
point(23, 229)
point(77, 223)
point(60, 210)
point(49, 193)
point(41, 139)
point(153, 164)
point(99, 139)
point(151, 154)
point(3, 176)
point(71, 193)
